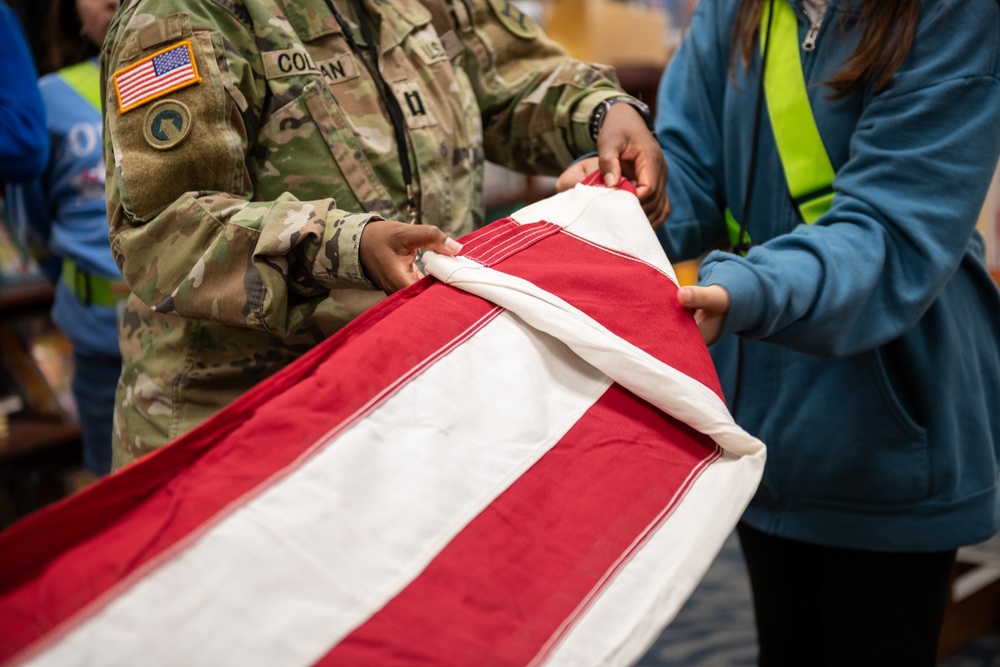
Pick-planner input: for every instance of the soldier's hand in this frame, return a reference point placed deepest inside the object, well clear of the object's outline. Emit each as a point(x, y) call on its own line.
point(626, 147)
point(388, 251)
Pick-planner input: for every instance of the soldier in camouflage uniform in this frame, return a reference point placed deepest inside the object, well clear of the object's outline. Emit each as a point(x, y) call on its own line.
point(255, 163)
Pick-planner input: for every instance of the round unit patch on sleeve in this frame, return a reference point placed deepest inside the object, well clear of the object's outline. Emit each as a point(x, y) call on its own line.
point(514, 19)
point(167, 123)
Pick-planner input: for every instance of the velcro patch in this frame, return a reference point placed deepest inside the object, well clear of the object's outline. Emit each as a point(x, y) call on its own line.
point(415, 109)
point(289, 62)
point(341, 68)
point(514, 19)
point(452, 44)
point(168, 123)
point(428, 47)
point(154, 76)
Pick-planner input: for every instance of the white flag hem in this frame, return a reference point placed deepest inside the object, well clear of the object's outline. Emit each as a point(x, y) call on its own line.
point(650, 590)
point(635, 369)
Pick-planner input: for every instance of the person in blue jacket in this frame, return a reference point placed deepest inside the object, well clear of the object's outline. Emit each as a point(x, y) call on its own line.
point(24, 144)
point(64, 212)
point(856, 328)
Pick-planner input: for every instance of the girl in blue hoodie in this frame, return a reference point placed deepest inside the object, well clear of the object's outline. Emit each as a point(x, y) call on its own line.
point(853, 321)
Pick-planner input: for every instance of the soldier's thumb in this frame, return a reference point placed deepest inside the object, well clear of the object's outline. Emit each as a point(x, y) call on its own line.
point(429, 237)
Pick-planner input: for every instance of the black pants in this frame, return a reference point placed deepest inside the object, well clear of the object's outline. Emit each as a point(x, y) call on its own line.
point(822, 606)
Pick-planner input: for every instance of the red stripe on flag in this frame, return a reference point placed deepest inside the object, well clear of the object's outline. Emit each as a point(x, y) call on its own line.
point(66, 557)
point(506, 238)
point(652, 298)
point(138, 83)
point(62, 561)
point(517, 573)
point(140, 89)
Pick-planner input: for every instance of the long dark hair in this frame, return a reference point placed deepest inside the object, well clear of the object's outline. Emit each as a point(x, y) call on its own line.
point(887, 31)
point(64, 45)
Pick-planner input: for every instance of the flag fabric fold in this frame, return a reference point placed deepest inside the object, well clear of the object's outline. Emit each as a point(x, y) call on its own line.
point(523, 459)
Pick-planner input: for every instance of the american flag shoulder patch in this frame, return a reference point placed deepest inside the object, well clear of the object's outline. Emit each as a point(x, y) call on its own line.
point(154, 76)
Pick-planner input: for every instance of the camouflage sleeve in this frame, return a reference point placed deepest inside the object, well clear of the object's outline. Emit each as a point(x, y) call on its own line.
point(185, 229)
point(536, 100)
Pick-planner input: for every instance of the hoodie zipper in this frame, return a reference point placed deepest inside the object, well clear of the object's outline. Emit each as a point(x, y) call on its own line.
point(815, 21)
point(809, 43)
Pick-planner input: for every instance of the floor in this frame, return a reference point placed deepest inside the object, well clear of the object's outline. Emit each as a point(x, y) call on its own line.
point(715, 627)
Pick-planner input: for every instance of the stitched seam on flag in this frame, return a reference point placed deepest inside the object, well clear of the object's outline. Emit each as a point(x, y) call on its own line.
point(491, 233)
point(618, 253)
point(624, 558)
point(195, 77)
point(501, 239)
point(91, 609)
point(509, 228)
point(499, 227)
point(517, 243)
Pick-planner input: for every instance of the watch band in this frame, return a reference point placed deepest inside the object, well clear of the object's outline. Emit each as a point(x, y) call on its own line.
point(601, 112)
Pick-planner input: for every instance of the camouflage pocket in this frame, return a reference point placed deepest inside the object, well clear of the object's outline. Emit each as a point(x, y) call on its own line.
point(308, 147)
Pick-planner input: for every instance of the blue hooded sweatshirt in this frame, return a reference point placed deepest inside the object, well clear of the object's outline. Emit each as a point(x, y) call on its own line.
point(870, 354)
point(24, 146)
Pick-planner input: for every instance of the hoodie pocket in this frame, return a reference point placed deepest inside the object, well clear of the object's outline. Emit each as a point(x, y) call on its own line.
point(850, 440)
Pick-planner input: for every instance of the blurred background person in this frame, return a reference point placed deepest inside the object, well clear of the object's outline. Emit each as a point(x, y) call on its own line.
point(23, 140)
point(62, 217)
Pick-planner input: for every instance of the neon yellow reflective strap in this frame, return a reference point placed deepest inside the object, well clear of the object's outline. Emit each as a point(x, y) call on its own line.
point(85, 79)
point(93, 289)
point(804, 159)
point(803, 156)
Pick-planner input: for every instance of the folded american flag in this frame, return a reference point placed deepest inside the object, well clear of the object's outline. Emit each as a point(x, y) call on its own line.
point(522, 460)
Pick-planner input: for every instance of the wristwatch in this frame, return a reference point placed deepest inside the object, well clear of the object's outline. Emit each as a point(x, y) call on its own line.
point(601, 111)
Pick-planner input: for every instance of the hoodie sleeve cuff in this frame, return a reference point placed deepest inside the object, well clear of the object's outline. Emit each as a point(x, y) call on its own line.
point(746, 294)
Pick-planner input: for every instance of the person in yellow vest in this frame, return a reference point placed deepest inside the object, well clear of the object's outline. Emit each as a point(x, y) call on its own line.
point(63, 217)
point(842, 149)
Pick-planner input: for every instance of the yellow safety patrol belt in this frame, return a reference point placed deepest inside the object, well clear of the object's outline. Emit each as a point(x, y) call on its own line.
point(806, 164)
point(84, 78)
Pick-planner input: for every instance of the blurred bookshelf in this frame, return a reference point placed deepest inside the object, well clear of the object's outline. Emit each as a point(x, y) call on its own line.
point(40, 453)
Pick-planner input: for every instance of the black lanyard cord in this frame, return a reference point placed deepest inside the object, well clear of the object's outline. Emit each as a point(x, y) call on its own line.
point(741, 246)
point(390, 101)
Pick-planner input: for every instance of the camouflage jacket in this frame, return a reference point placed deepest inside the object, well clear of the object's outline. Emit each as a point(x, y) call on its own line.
point(247, 145)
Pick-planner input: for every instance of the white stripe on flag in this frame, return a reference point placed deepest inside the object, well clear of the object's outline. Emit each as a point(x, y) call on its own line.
point(387, 521)
point(628, 616)
point(142, 89)
point(635, 369)
point(141, 82)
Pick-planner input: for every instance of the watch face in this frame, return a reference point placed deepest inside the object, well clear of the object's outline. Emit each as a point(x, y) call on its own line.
point(601, 110)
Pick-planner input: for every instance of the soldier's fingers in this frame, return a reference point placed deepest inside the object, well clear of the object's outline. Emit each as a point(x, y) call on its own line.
point(401, 275)
point(656, 207)
point(428, 237)
point(611, 167)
